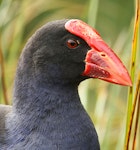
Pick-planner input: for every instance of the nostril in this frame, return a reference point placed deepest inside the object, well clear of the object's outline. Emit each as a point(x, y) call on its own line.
point(103, 54)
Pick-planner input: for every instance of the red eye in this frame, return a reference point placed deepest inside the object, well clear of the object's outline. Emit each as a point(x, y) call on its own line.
point(71, 43)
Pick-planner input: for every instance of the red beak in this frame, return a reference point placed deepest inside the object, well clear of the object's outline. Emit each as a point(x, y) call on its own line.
point(101, 61)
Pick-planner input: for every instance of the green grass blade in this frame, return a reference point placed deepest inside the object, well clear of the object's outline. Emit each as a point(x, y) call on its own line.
point(137, 115)
point(92, 13)
point(132, 107)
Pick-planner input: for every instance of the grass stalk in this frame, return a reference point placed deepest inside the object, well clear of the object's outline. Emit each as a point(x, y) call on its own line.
point(3, 78)
point(132, 105)
point(137, 119)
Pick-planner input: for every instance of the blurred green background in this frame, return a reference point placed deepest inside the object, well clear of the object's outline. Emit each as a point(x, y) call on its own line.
point(113, 19)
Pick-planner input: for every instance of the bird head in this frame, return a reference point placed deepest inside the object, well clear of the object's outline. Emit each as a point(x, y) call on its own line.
point(69, 51)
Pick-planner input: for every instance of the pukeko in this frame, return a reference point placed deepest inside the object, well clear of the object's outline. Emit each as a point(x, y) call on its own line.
point(47, 113)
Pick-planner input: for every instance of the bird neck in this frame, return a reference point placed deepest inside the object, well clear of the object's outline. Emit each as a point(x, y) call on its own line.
point(39, 98)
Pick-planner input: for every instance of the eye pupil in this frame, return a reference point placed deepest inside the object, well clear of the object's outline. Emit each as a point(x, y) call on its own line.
point(71, 43)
